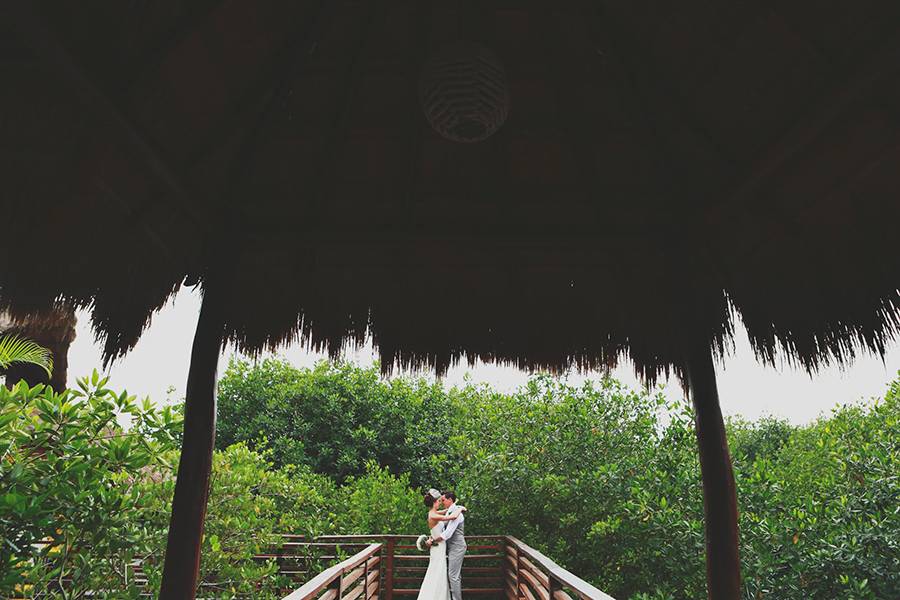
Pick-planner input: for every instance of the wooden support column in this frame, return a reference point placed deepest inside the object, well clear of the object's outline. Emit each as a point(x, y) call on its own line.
point(182, 564)
point(723, 566)
point(389, 568)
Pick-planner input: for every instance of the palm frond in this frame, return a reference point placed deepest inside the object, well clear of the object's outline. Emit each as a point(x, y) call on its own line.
point(16, 349)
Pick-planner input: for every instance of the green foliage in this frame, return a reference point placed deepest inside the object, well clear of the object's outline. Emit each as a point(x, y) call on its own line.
point(15, 349)
point(86, 499)
point(250, 505)
point(335, 418)
point(603, 479)
point(66, 473)
point(378, 502)
point(594, 477)
point(820, 518)
point(88, 478)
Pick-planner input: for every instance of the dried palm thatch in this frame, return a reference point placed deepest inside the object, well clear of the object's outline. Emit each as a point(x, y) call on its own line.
point(641, 182)
point(657, 165)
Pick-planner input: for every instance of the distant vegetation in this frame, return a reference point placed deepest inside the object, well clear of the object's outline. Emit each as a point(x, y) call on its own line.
point(590, 475)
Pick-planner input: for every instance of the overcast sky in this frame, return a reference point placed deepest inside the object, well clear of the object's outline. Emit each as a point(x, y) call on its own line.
point(746, 388)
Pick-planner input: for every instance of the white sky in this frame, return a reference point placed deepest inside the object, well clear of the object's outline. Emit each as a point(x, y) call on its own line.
point(746, 388)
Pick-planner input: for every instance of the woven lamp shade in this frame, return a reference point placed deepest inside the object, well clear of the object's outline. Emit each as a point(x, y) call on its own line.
point(464, 92)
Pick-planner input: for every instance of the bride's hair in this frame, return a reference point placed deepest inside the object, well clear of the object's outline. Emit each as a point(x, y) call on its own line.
point(429, 499)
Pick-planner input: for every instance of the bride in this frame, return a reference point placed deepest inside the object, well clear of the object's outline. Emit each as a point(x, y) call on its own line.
point(435, 586)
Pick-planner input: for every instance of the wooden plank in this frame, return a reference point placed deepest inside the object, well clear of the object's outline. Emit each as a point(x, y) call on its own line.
point(498, 570)
point(355, 593)
point(468, 557)
point(561, 595)
point(483, 582)
point(372, 590)
point(384, 537)
point(523, 588)
point(323, 544)
point(352, 576)
point(466, 570)
point(535, 584)
point(471, 547)
point(373, 576)
point(472, 581)
point(411, 592)
point(328, 595)
point(411, 568)
point(543, 577)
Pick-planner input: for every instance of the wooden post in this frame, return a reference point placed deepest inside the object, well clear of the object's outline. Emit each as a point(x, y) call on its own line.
point(514, 571)
point(553, 587)
point(338, 584)
point(182, 563)
point(389, 569)
point(723, 565)
point(365, 576)
point(519, 592)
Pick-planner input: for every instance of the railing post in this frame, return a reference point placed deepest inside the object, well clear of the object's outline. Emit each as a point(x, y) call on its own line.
point(510, 570)
point(365, 575)
point(340, 584)
point(519, 593)
point(554, 586)
point(389, 569)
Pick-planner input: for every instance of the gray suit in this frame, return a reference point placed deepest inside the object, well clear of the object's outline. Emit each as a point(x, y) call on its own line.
point(455, 534)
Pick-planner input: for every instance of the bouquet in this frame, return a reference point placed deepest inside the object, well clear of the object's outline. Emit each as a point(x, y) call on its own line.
point(420, 543)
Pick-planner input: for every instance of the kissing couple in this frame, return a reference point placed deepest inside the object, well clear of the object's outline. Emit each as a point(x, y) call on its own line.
point(447, 543)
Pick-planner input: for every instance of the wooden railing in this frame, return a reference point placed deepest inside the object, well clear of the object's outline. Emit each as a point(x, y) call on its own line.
point(530, 575)
point(357, 577)
point(495, 567)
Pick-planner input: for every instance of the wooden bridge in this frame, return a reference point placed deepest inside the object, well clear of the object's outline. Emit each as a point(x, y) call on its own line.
point(387, 566)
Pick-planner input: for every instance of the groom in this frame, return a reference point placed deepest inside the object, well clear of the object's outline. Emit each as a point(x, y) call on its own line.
point(455, 536)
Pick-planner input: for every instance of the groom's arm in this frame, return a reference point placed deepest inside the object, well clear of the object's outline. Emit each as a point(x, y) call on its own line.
point(449, 530)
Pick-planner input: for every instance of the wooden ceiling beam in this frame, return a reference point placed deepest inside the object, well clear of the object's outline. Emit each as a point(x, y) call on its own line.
point(35, 32)
point(415, 132)
point(340, 119)
point(272, 36)
point(578, 137)
point(290, 62)
point(671, 127)
point(856, 84)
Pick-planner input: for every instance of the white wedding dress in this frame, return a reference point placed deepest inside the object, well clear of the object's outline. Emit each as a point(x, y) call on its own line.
point(436, 586)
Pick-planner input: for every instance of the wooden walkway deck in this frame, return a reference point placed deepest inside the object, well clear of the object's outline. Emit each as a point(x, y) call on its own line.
point(387, 566)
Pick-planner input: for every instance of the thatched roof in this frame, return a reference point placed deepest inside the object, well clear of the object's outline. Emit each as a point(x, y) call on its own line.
point(659, 161)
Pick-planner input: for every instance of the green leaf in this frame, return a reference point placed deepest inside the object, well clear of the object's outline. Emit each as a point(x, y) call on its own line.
point(16, 349)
